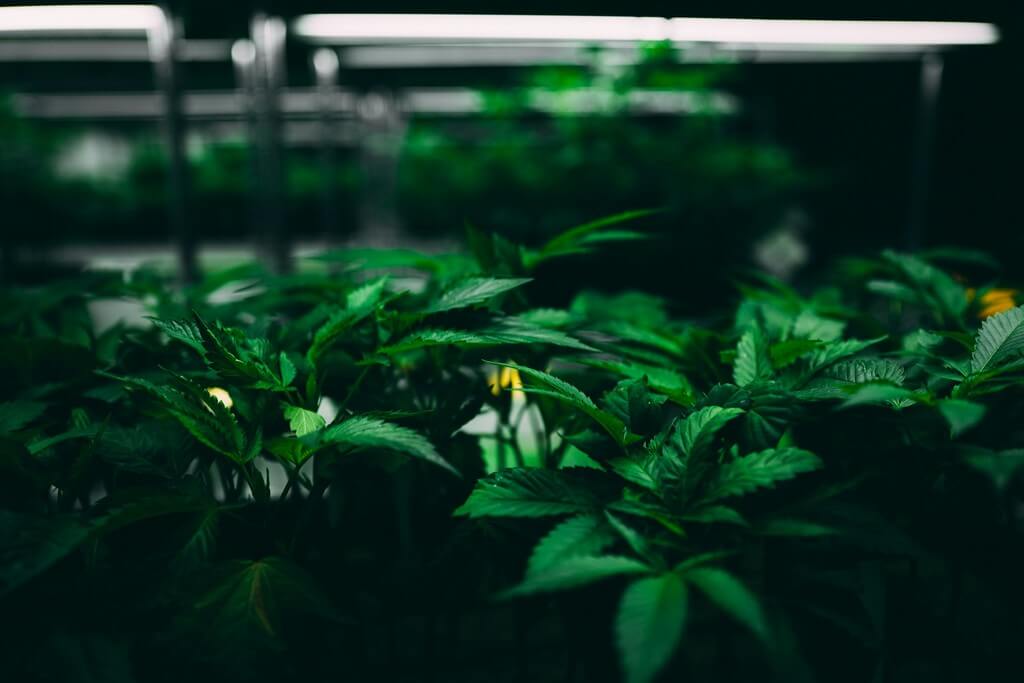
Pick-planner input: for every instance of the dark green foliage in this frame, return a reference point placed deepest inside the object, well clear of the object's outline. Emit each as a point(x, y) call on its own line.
point(324, 475)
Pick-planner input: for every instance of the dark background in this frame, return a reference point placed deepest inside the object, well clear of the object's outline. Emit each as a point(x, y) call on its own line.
point(853, 123)
point(863, 114)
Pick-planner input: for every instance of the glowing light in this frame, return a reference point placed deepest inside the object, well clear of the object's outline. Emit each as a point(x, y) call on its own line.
point(377, 28)
point(477, 27)
point(800, 32)
point(81, 19)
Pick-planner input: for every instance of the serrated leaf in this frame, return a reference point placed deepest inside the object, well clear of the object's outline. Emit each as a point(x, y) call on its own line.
point(937, 289)
point(185, 331)
point(861, 371)
point(723, 589)
point(567, 393)
point(574, 572)
point(571, 241)
point(632, 537)
point(249, 598)
point(509, 331)
point(837, 351)
point(1001, 337)
point(584, 534)
point(368, 432)
point(697, 431)
point(649, 624)
point(360, 304)
point(752, 361)
point(526, 492)
point(303, 421)
point(760, 470)
point(473, 291)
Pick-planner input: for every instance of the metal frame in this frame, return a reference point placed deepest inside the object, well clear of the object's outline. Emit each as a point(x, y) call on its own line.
point(149, 33)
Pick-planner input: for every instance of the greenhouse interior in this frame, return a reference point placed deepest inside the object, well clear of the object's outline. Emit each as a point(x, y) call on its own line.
point(548, 342)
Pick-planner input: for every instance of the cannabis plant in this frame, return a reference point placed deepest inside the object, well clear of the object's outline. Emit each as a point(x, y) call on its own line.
point(396, 466)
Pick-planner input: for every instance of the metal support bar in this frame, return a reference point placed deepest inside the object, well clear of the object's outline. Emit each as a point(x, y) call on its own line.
point(384, 126)
point(268, 38)
point(164, 41)
point(928, 101)
point(325, 66)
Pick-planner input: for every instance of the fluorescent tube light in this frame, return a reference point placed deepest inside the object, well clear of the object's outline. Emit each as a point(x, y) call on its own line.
point(799, 32)
point(476, 27)
point(383, 28)
point(80, 19)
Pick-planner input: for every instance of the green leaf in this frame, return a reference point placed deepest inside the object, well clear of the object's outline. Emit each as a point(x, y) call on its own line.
point(567, 393)
point(303, 421)
point(527, 492)
point(574, 572)
point(760, 470)
point(31, 544)
point(249, 598)
point(508, 331)
point(880, 393)
point(787, 352)
point(961, 415)
point(287, 369)
point(861, 371)
point(473, 291)
point(730, 595)
point(584, 534)
point(1001, 467)
point(937, 289)
point(574, 240)
point(40, 445)
point(698, 430)
point(649, 624)
point(16, 414)
point(811, 326)
point(368, 432)
point(633, 538)
point(360, 304)
point(1001, 337)
point(752, 361)
point(185, 331)
point(837, 351)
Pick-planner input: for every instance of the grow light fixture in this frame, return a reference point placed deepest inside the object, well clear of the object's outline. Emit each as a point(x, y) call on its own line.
point(776, 32)
point(735, 33)
point(374, 28)
point(81, 19)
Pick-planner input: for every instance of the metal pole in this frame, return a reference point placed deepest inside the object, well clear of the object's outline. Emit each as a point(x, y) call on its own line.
point(243, 57)
point(383, 126)
point(930, 86)
point(164, 42)
point(325, 65)
point(268, 37)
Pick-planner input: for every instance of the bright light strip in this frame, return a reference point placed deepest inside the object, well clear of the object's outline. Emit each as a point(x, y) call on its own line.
point(80, 19)
point(477, 27)
point(376, 28)
point(799, 32)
